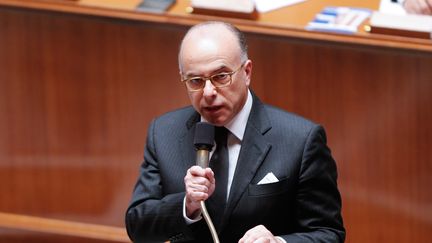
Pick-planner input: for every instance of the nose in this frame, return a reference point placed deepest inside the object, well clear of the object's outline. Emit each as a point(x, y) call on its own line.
point(209, 89)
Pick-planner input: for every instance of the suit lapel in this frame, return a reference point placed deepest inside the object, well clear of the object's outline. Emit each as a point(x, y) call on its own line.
point(253, 151)
point(186, 143)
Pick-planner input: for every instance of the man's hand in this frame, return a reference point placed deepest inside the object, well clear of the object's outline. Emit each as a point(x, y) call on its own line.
point(200, 185)
point(418, 6)
point(259, 234)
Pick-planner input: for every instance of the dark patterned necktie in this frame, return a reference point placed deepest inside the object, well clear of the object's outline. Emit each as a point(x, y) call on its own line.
point(219, 163)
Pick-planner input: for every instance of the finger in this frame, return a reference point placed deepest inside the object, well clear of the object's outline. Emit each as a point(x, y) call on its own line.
point(196, 175)
point(429, 7)
point(199, 181)
point(249, 236)
point(196, 192)
point(199, 190)
point(196, 196)
point(412, 7)
point(422, 7)
point(258, 234)
point(196, 171)
point(262, 240)
point(209, 174)
point(192, 187)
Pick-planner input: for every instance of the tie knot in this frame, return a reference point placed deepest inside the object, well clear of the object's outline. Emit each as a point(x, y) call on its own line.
point(221, 134)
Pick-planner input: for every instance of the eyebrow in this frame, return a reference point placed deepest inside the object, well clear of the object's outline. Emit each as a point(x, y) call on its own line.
point(221, 68)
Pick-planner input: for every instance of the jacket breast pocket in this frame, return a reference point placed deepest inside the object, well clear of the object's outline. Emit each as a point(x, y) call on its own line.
point(269, 189)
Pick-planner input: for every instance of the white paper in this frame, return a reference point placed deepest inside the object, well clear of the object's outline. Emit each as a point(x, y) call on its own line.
point(269, 5)
point(269, 178)
point(228, 5)
point(389, 7)
point(409, 22)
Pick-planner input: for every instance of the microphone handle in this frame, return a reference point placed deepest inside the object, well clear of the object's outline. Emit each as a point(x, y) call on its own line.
point(202, 159)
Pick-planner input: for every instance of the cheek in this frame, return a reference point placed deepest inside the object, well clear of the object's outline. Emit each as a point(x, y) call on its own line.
point(195, 99)
point(231, 100)
point(237, 99)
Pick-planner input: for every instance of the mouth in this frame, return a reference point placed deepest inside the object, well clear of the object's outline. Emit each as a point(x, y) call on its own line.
point(212, 109)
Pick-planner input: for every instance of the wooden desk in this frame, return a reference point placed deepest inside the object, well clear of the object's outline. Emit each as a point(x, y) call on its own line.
point(79, 86)
point(288, 22)
point(84, 231)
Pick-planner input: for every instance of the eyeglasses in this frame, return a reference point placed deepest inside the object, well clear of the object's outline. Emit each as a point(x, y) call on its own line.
point(218, 80)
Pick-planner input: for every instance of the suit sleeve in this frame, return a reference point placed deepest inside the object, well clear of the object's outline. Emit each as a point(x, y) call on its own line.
point(318, 199)
point(152, 216)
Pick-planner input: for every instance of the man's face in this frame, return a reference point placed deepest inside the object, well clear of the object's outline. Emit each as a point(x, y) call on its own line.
point(208, 53)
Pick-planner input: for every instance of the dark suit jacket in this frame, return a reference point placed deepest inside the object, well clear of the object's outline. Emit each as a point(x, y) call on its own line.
point(304, 206)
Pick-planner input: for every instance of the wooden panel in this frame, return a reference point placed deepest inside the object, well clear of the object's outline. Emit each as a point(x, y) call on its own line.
point(76, 96)
point(77, 93)
point(375, 107)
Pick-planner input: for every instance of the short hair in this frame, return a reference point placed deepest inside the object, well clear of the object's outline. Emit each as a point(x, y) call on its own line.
point(241, 40)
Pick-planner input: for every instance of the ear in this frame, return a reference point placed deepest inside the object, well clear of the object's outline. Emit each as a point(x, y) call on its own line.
point(248, 71)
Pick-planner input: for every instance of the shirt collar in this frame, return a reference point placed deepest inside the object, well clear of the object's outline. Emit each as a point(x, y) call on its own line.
point(237, 125)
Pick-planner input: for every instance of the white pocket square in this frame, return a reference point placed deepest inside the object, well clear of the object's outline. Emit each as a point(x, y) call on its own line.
point(269, 178)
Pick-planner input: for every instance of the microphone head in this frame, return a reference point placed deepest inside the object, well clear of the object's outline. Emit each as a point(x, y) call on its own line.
point(204, 136)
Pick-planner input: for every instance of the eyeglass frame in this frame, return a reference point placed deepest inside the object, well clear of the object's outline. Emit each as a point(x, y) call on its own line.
point(210, 78)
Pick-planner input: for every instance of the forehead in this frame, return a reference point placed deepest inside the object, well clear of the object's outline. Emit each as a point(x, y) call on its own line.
point(213, 45)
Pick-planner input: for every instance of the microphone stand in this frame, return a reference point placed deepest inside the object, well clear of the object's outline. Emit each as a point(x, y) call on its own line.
point(203, 141)
point(202, 160)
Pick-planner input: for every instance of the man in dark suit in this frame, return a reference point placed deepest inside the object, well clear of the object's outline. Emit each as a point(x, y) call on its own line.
point(281, 178)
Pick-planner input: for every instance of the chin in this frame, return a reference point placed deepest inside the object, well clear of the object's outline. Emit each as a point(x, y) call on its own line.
point(216, 121)
point(216, 118)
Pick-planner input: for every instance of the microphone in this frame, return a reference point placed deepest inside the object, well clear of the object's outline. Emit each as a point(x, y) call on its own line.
point(203, 141)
